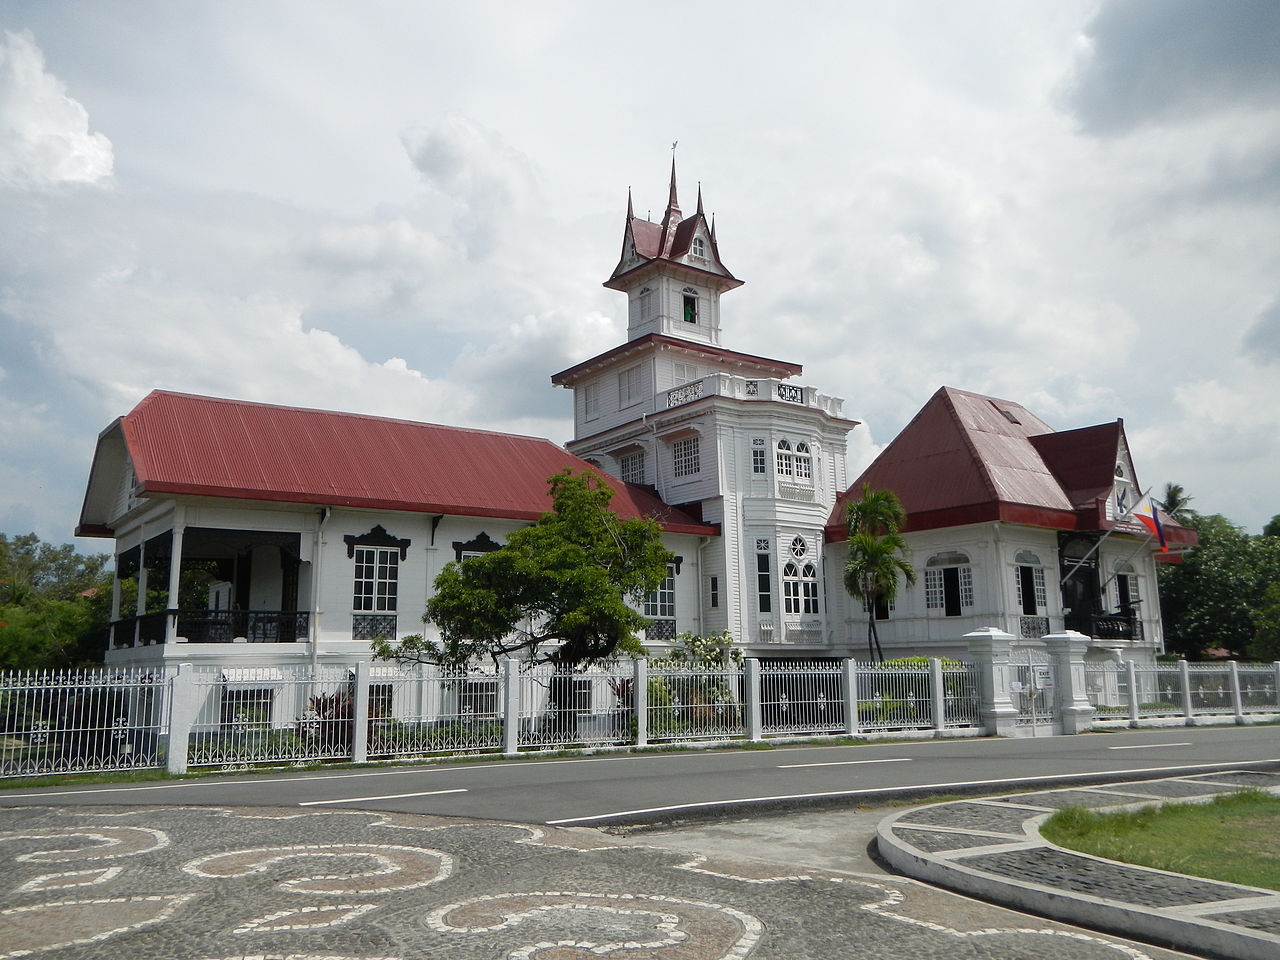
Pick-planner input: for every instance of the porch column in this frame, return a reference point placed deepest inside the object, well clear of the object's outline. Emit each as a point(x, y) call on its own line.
point(115, 603)
point(990, 649)
point(1066, 651)
point(175, 576)
point(140, 604)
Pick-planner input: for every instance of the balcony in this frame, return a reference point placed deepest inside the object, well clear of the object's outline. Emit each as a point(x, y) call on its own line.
point(254, 626)
point(740, 388)
point(213, 626)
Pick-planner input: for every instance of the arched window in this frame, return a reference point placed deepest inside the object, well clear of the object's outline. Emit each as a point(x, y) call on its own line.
point(786, 460)
point(1028, 576)
point(698, 248)
point(948, 583)
point(799, 588)
point(804, 462)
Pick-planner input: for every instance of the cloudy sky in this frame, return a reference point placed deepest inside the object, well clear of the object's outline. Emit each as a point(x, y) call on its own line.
point(408, 208)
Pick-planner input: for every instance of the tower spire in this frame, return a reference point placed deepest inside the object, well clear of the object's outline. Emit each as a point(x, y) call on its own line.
point(700, 213)
point(630, 212)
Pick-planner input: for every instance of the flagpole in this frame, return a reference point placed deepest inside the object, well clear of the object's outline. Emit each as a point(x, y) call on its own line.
point(1085, 559)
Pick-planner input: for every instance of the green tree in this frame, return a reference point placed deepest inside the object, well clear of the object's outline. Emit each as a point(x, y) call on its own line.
point(1272, 529)
point(1266, 626)
point(563, 590)
point(877, 555)
point(54, 603)
point(1214, 597)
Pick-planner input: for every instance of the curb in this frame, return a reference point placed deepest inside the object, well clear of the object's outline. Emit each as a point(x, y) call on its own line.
point(991, 848)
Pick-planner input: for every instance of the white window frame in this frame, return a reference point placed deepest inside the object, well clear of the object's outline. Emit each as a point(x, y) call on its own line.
point(660, 603)
point(698, 248)
point(683, 372)
point(630, 386)
point(376, 580)
point(591, 399)
point(804, 462)
point(786, 459)
point(631, 467)
point(935, 586)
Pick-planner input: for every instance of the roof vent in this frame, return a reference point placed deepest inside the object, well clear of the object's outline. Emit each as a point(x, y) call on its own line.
point(1007, 414)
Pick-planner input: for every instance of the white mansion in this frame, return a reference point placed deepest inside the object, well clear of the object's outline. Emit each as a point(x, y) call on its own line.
point(318, 531)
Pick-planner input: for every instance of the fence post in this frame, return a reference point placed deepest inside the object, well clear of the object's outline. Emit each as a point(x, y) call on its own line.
point(182, 714)
point(1188, 709)
point(938, 695)
point(851, 697)
point(640, 701)
point(1131, 672)
point(989, 648)
point(1066, 651)
point(1277, 665)
point(360, 715)
point(755, 721)
point(510, 706)
point(1237, 701)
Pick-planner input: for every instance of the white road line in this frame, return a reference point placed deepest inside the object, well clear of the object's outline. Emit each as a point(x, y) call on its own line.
point(844, 763)
point(915, 786)
point(389, 796)
point(1152, 746)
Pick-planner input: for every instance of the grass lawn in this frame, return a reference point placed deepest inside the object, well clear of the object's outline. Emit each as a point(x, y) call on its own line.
point(1235, 837)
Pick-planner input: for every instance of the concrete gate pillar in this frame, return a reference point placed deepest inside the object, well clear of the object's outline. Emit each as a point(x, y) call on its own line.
point(989, 651)
point(1066, 652)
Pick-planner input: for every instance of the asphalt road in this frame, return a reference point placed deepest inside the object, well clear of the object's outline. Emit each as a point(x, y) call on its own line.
point(657, 787)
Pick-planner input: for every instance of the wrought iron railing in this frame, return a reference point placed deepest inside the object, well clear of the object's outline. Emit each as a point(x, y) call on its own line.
point(371, 626)
point(1105, 626)
point(255, 626)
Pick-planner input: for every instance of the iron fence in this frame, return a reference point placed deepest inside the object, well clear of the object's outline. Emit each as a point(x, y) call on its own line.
point(561, 707)
point(426, 709)
point(894, 697)
point(684, 703)
point(80, 721)
point(248, 715)
point(802, 696)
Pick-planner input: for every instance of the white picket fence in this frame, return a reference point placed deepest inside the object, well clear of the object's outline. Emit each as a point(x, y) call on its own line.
point(233, 717)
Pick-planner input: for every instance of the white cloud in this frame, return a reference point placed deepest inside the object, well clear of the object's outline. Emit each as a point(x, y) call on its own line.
point(44, 133)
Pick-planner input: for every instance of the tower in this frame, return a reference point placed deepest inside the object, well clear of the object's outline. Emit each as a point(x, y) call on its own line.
point(726, 435)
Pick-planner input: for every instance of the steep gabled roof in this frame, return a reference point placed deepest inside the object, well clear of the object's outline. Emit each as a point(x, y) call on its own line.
point(181, 444)
point(968, 458)
point(668, 243)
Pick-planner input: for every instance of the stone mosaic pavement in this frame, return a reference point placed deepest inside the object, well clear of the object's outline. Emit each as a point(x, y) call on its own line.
point(993, 847)
point(156, 883)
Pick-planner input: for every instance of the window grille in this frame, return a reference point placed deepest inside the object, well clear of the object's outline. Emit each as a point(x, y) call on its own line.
point(786, 460)
point(661, 602)
point(685, 460)
point(804, 462)
point(631, 467)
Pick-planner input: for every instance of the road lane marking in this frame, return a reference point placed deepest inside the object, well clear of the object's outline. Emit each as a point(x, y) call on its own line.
point(1152, 746)
point(389, 796)
point(844, 763)
point(1201, 767)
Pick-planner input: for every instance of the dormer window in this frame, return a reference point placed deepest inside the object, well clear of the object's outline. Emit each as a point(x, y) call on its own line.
point(647, 300)
point(690, 305)
point(698, 248)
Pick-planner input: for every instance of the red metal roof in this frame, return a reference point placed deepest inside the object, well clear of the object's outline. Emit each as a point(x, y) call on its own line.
point(779, 368)
point(968, 458)
point(204, 446)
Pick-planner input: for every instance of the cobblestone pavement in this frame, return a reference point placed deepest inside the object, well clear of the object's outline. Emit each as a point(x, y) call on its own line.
point(195, 883)
point(993, 846)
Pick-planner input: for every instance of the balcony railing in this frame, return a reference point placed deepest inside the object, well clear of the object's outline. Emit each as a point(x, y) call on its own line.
point(139, 631)
point(255, 626)
point(1106, 626)
point(740, 388)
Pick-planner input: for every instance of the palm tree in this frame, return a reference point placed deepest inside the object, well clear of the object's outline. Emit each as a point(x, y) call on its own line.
point(877, 555)
point(871, 575)
point(1176, 503)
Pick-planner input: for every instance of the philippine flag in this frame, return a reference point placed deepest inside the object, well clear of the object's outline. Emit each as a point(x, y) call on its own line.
point(1149, 515)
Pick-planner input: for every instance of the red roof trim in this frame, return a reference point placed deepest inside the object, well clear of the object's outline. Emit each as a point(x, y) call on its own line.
point(371, 503)
point(566, 376)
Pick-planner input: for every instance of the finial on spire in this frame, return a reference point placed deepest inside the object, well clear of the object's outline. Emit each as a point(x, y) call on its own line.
point(700, 198)
point(630, 214)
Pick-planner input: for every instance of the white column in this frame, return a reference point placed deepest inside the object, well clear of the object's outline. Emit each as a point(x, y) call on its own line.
point(175, 579)
point(755, 722)
point(851, 697)
point(1188, 710)
point(360, 720)
point(1066, 651)
point(1131, 672)
point(183, 707)
point(990, 649)
point(140, 603)
point(640, 701)
point(938, 695)
point(1237, 701)
point(510, 706)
